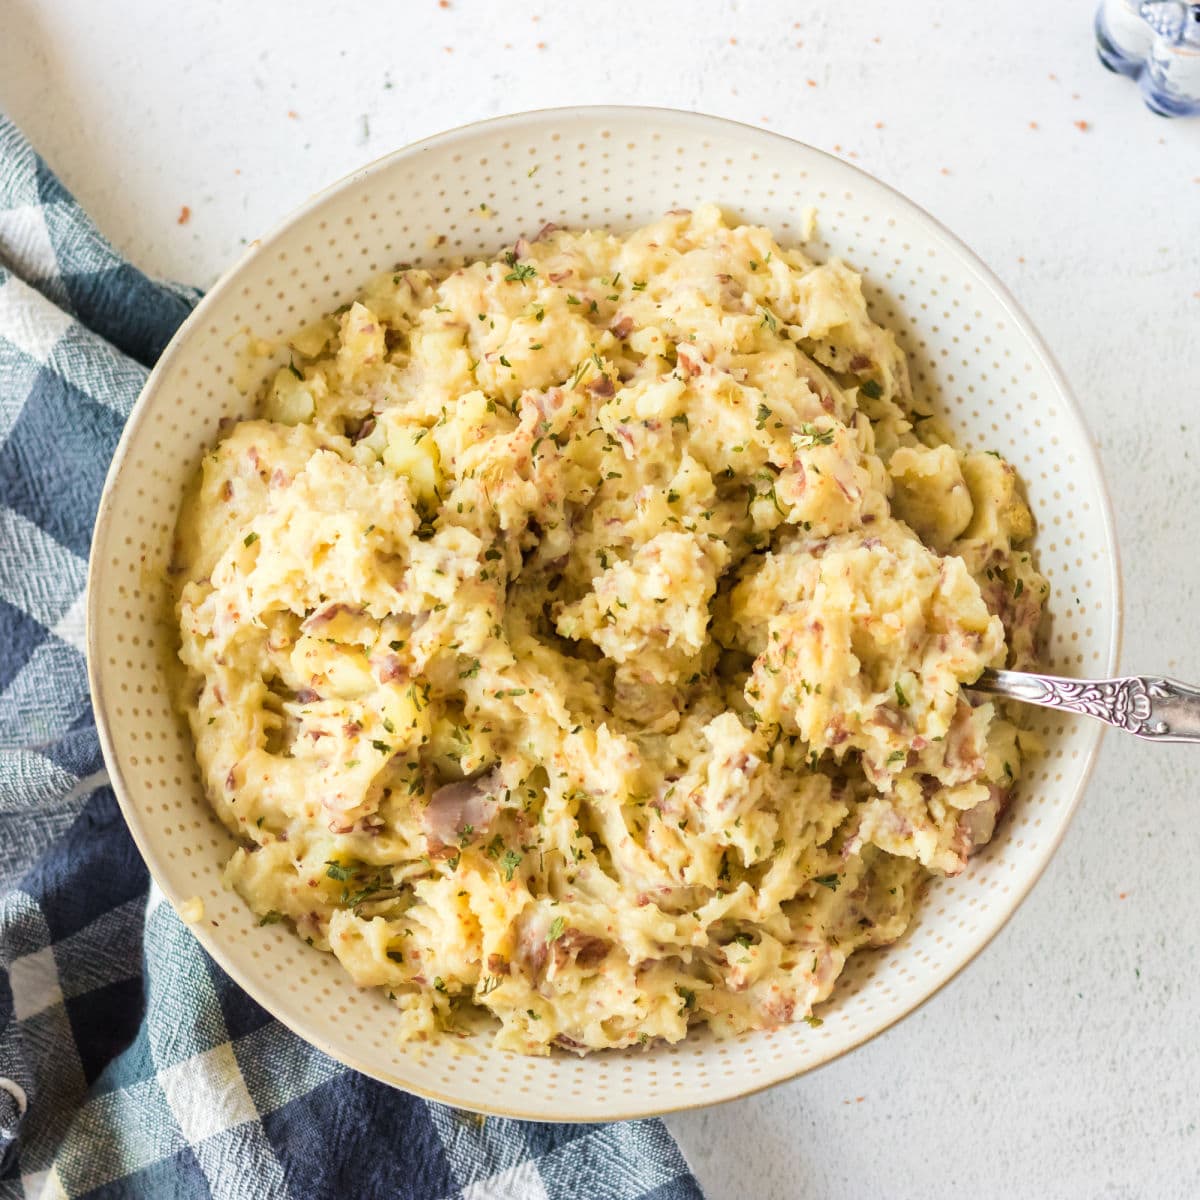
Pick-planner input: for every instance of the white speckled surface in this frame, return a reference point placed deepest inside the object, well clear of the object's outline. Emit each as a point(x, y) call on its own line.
point(1063, 1062)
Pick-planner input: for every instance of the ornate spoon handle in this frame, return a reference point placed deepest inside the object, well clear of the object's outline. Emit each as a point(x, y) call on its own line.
point(1144, 705)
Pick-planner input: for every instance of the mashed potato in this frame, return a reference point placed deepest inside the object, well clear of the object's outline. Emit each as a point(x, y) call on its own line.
point(576, 641)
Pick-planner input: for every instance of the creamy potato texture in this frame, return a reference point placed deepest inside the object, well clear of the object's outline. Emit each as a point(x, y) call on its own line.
point(576, 642)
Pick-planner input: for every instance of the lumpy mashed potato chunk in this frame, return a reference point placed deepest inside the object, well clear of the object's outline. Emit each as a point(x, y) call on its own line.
point(576, 643)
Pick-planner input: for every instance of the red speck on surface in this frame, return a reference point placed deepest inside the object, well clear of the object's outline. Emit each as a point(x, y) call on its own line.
point(541, 45)
point(733, 41)
point(443, 3)
point(765, 120)
point(293, 115)
point(185, 215)
point(1053, 76)
point(1020, 258)
point(837, 147)
point(1122, 895)
point(1033, 124)
point(859, 1099)
point(811, 82)
point(878, 124)
point(877, 40)
point(1074, 95)
point(1082, 126)
point(945, 170)
point(448, 49)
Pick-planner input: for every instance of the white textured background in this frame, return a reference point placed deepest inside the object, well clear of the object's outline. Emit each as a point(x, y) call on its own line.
point(1066, 1061)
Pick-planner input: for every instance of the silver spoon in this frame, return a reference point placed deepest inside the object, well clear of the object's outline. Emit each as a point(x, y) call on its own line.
point(1144, 705)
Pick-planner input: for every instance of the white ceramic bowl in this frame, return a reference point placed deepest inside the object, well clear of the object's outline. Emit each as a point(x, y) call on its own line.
point(973, 355)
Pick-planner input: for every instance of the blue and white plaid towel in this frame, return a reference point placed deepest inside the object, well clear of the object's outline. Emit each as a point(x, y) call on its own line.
point(130, 1065)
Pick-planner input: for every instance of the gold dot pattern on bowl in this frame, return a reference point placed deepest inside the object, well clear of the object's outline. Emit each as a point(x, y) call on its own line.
point(972, 358)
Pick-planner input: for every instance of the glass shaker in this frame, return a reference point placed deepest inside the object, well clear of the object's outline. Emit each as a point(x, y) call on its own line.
point(1156, 42)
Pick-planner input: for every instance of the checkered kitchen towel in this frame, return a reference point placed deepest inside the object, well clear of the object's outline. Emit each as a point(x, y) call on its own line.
point(130, 1065)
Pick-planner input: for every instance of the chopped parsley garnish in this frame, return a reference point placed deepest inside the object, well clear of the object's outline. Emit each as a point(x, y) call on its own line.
point(768, 319)
point(1019, 588)
point(556, 930)
point(295, 370)
point(828, 881)
point(509, 863)
point(521, 273)
point(504, 361)
point(871, 389)
point(811, 435)
point(764, 415)
point(638, 285)
point(250, 539)
point(901, 698)
point(335, 870)
point(471, 671)
point(270, 918)
point(354, 899)
point(744, 940)
point(688, 997)
point(382, 747)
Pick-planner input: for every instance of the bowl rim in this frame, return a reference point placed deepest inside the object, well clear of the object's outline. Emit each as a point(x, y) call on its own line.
point(966, 257)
